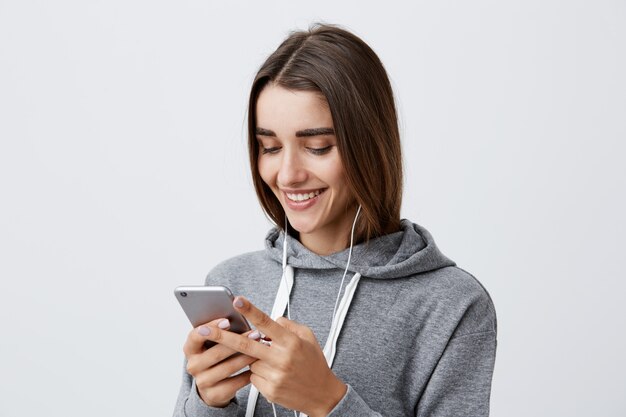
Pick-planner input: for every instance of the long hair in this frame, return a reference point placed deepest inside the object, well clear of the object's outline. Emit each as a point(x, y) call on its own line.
point(347, 72)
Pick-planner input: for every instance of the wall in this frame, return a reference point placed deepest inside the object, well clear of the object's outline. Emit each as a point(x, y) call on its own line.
point(123, 174)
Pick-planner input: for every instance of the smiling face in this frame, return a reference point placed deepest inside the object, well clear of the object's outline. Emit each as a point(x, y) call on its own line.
point(298, 159)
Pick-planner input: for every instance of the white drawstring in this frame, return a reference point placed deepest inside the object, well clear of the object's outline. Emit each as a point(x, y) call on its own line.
point(280, 302)
point(285, 264)
point(339, 311)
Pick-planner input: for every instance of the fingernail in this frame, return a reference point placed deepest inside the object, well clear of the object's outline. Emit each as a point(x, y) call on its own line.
point(204, 331)
point(238, 302)
point(224, 324)
point(255, 335)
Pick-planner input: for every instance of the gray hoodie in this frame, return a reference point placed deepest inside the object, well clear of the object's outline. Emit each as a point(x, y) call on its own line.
point(419, 338)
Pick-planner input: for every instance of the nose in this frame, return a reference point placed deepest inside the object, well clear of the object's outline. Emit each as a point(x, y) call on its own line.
point(291, 171)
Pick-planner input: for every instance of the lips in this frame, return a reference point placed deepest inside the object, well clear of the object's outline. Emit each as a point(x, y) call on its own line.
point(303, 196)
point(302, 199)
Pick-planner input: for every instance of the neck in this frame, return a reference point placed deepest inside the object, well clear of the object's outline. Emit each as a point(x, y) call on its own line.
point(333, 238)
point(324, 244)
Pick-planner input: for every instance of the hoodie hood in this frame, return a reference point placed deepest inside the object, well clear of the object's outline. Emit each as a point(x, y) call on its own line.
point(410, 251)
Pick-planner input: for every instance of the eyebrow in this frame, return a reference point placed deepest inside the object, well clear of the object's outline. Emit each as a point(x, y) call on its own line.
point(318, 131)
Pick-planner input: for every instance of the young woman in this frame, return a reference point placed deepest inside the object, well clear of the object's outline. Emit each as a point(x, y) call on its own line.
point(378, 321)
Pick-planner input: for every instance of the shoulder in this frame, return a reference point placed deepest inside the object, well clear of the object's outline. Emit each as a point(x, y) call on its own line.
point(254, 274)
point(455, 299)
point(473, 304)
point(247, 268)
point(457, 282)
point(239, 264)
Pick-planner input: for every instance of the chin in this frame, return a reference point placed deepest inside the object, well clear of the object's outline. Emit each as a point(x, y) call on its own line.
point(305, 229)
point(301, 225)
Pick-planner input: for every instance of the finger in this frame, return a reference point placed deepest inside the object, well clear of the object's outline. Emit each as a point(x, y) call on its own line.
point(199, 362)
point(224, 391)
point(240, 343)
point(261, 321)
point(223, 370)
point(215, 355)
point(302, 331)
point(263, 369)
point(235, 383)
point(264, 387)
point(195, 340)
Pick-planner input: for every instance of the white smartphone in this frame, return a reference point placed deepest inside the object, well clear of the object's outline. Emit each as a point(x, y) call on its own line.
point(203, 304)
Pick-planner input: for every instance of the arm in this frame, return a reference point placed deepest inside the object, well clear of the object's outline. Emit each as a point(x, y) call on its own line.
point(189, 403)
point(211, 376)
point(201, 373)
point(459, 386)
point(352, 405)
point(461, 382)
point(292, 371)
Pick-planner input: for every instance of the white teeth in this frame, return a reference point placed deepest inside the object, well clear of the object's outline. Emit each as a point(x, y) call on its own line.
point(303, 197)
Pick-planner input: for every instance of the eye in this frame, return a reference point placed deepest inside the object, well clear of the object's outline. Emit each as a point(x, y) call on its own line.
point(272, 150)
point(320, 151)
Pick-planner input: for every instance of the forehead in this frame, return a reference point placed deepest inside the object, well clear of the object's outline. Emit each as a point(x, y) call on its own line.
point(278, 108)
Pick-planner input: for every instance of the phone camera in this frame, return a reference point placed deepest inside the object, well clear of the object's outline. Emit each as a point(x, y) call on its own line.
point(183, 294)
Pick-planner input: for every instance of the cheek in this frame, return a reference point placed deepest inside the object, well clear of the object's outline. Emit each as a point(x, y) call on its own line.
point(335, 174)
point(266, 171)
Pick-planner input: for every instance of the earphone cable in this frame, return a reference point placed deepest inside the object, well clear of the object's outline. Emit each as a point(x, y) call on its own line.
point(348, 264)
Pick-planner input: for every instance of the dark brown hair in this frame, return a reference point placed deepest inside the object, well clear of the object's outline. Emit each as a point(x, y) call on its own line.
point(347, 72)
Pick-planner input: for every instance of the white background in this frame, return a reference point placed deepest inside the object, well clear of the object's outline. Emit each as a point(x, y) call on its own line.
point(123, 174)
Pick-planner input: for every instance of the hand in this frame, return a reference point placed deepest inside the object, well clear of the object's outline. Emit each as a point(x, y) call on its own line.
point(292, 371)
point(212, 368)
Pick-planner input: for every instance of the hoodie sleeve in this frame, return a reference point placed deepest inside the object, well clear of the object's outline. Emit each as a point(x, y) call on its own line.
point(189, 403)
point(352, 405)
point(460, 383)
